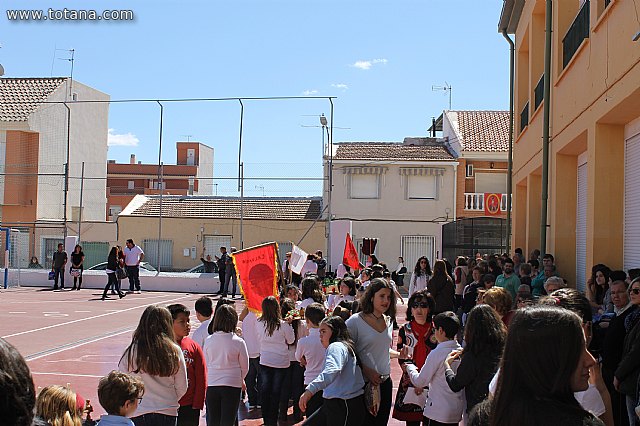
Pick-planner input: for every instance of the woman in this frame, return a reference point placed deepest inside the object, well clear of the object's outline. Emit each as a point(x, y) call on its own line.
point(275, 336)
point(154, 356)
point(372, 333)
point(418, 335)
point(420, 276)
point(293, 383)
point(598, 289)
point(484, 337)
point(57, 406)
point(227, 365)
point(310, 266)
point(545, 361)
point(112, 280)
point(311, 292)
point(470, 293)
point(34, 264)
point(626, 375)
point(501, 302)
point(460, 277)
point(340, 380)
point(76, 268)
point(347, 293)
point(441, 287)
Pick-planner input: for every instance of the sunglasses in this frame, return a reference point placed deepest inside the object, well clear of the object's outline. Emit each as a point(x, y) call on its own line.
point(634, 291)
point(417, 305)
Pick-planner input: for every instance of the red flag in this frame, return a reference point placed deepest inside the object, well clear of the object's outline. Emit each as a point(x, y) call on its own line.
point(492, 204)
point(257, 273)
point(350, 256)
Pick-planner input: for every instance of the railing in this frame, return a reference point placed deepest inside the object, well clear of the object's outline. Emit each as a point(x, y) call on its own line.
point(538, 93)
point(474, 201)
point(524, 117)
point(578, 31)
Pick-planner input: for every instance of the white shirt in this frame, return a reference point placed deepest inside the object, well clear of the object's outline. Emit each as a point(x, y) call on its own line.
point(619, 312)
point(309, 266)
point(442, 405)
point(417, 283)
point(371, 347)
point(132, 255)
point(313, 352)
point(250, 334)
point(335, 299)
point(341, 270)
point(201, 333)
point(274, 349)
point(227, 359)
point(161, 394)
point(306, 302)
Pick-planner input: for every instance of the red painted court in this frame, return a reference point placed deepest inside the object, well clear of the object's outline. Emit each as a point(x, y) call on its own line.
point(73, 337)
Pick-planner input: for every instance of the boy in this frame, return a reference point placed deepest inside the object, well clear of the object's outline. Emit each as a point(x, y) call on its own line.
point(443, 406)
point(204, 310)
point(119, 394)
point(310, 353)
point(193, 400)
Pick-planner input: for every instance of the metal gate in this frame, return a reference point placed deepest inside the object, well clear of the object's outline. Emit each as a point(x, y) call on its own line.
point(150, 248)
point(94, 253)
point(466, 237)
point(212, 244)
point(416, 246)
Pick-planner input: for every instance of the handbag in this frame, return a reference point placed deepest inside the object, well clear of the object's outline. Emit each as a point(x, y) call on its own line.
point(121, 273)
point(51, 275)
point(74, 272)
point(372, 398)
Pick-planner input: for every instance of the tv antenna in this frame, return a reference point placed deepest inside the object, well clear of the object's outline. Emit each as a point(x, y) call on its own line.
point(260, 187)
point(446, 88)
point(187, 136)
point(70, 59)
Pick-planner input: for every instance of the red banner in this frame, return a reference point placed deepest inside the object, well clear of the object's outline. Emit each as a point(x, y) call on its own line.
point(492, 204)
point(257, 273)
point(350, 256)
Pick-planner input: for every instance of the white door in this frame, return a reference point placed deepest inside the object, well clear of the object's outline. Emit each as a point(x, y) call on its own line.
point(191, 157)
point(416, 246)
point(581, 229)
point(632, 203)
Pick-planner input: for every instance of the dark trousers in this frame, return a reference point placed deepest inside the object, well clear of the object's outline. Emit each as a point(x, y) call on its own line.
point(154, 419)
point(133, 272)
point(111, 281)
point(221, 277)
point(253, 382)
point(222, 405)
point(231, 276)
point(270, 385)
point(78, 280)
point(349, 412)
point(58, 272)
point(292, 388)
point(618, 403)
point(188, 416)
point(429, 422)
point(315, 406)
point(386, 389)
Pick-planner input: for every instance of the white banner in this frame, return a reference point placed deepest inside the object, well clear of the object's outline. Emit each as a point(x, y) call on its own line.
point(298, 257)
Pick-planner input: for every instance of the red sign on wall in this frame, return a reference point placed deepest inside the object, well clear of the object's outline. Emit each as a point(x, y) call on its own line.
point(492, 204)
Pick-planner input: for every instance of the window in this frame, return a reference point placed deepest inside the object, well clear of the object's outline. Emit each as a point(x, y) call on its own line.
point(493, 183)
point(212, 244)
point(422, 187)
point(115, 211)
point(469, 172)
point(131, 185)
point(364, 186)
point(150, 248)
point(416, 246)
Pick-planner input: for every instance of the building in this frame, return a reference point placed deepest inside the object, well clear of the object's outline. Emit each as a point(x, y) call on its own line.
point(594, 151)
point(397, 193)
point(191, 175)
point(44, 127)
point(193, 225)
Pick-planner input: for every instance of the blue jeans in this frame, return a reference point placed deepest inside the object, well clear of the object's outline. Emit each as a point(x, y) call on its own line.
point(222, 405)
point(133, 272)
point(58, 272)
point(253, 382)
point(270, 385)
point(155, 419)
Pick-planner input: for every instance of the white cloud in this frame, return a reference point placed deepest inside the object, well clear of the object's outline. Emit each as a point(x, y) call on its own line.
point(125, 139)
point(365, 65)
point(340, 86)
point(310, 92)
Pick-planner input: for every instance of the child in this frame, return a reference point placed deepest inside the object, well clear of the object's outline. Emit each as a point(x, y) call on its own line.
point(193, 400)
point(310, 353)
point(443, 406)
point(250, 336)
point(204, 311)
point(292, 385)
point(119, 394)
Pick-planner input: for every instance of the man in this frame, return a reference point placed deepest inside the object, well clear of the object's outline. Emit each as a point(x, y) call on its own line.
point(508, 280)
point(612, 347)
point(59, 260)
point(230, 276)
point(553, 283)
point(548, 270)
point(133, 255)
point(286, 268)
point(322, 264)
point(209, 265)
point(222, 267)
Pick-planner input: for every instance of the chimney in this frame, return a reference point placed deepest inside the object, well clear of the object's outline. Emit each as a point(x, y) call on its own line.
point(133, 159)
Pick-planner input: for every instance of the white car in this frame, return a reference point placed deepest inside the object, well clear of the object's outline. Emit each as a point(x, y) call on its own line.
point(145, 268)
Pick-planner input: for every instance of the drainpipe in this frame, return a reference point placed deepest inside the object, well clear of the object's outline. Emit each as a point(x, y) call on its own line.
point(66, 172)
point(455, 189)
point(510, 159)
point(545, 126)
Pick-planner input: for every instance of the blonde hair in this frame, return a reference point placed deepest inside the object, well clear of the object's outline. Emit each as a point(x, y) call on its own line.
point(499, 299)
point(57, 405)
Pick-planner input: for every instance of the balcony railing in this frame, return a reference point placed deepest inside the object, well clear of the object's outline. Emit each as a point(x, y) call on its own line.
point(474, 202)
point(538, 93)
point(524, 117)
point(578, 31)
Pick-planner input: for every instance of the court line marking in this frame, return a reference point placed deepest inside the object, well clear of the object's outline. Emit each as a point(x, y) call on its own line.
point(69, 346)
point(17, 312)
point(90, 318)
point(69, 374)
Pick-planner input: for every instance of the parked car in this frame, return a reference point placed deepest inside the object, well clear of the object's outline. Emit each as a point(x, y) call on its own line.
point(199, 269)
point(145, 267)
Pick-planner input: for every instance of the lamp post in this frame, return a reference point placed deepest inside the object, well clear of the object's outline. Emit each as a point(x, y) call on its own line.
point(324, 124)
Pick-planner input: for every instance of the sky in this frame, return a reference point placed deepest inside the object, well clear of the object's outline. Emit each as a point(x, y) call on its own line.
point(379, 59)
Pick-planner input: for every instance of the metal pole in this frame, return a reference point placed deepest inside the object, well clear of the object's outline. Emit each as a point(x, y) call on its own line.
point(545, 128)
point(510, 159)
point(80, 214)
point(330, 142)
point(241, 175)
point(6, 256)
point(160, 186)
point(66, 170)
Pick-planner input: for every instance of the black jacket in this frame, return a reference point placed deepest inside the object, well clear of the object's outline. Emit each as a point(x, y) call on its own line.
point(474, 375)
point(629, 367)
point(442, 290)
point(613, 342)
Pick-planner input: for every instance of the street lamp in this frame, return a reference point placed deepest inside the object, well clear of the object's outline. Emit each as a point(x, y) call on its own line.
point(324, 124)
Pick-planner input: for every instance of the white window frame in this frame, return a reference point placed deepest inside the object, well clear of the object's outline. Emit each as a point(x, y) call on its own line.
point(416, 178)
point(377, 186)
point(131, 184)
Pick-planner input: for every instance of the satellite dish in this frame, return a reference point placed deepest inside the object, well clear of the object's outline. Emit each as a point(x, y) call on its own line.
point(1, 70)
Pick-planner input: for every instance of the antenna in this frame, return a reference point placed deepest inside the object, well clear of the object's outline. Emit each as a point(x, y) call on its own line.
point(446, 88)
point(71, 59)
point(187, 136)
point(260, 187)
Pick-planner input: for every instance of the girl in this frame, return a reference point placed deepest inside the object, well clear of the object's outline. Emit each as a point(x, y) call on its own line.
point(227, 365)
point(441, 287)
point(372, 333)
point(112, 281)
point(347, 292)
point(293, 383)
point(341, 379)
point(154, 356)
point(275, 336)
point(420, 276)
point(56, 405)
point(416, 334)
point(77, 259)
point(311, 292)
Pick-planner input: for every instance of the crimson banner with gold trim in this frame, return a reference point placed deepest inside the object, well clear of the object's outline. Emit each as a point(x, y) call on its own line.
point(492, 204)
point(256, 268)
